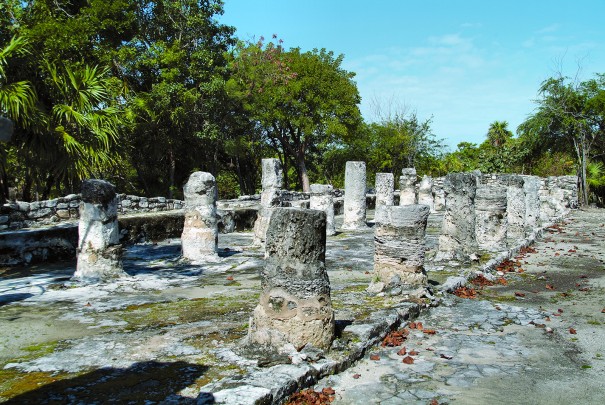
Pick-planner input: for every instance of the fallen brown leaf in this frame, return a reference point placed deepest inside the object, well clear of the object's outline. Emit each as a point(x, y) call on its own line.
point(230, 278)
point(550, 287)
point(445, 356)
point(328, 391)
point(356, 376)
point(374, 357)
point(402, 351)
point(519, 294)
point(413, 353)
point(407, 360)
point(429, 331)
point(572, 331)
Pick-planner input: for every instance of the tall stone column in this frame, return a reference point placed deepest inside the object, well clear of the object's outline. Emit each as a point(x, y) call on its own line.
point(491, 216)
point(407, 186)
point(99, 249)
point(516, 209)
point(399, 248)
point(295, 305)
point(355, 196)
point(199, 239)
point(439, 194)
point(531, 189)
point(272, 181)
point(457, 239)
point(322, 199)
point(425, 192)
point(385, 188)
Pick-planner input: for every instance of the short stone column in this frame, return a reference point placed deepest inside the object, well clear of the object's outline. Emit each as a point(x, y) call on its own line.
point(99, 249)
point(399, 249)
point(548, 210)
point(321, 199)
point(425, 192)
point(491, 217)
point(199, 239)
point(531, 189)
point(407, 186)
point(385, 188)
point(569, 187)
point(355, 196)
point(295, 305)
point(439, 194)
point(457, 239)
point(516, 210)
point(272, 181)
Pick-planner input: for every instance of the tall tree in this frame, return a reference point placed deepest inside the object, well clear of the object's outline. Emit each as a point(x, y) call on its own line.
point(301, 101)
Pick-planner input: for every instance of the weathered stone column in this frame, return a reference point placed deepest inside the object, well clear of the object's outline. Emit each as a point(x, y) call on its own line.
point(322, 199)
point(272, 180)
point(99, 249)
point(385, 187)
point(199, 239)
point(425, 192)
point(531, 188)
point(548, 211)
point(355, 196)
point(295, 305)
point(490, 216)
point(407, 186)
point(569, 187)
point(516, 209)
point(457, 239)
point(439, 199)
point(399, 249)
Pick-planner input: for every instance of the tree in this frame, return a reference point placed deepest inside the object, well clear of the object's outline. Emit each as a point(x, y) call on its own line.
point(301, 101)
point(570, 114)
point(498, 133)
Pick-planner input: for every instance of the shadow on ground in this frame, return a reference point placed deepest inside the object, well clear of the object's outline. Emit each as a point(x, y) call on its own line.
point(142, 383)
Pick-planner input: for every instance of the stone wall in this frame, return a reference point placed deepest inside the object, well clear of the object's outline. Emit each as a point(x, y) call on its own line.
point(19, 214)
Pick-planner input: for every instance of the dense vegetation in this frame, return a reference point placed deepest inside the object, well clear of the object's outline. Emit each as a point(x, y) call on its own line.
point(143, 92)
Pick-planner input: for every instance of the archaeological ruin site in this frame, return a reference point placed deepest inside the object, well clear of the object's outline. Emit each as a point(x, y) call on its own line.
point(410, 290)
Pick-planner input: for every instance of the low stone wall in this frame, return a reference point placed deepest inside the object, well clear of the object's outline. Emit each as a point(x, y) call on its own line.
point(19, 214)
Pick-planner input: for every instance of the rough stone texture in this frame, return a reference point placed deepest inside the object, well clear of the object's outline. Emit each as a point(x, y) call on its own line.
point(516, 208)
point(531, 188)
point(491, 216)
point(439, 194)
point(321, 199)
point(407, 186)
point(99, 250)
point(425, 192)
point(457, 240)
point(272, 180)
point(569, 188)
point(200, 231)
point(385, 188)
point(399, 247)
point(295, 306)
point(355, 196)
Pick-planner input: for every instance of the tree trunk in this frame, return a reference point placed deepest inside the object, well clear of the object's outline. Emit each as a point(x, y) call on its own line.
point(171, 172)
point(302, 172)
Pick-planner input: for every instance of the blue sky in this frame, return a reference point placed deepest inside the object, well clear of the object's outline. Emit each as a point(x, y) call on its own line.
point(463, 63)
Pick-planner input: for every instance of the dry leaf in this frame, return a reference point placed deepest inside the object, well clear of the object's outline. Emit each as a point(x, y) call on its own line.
point(572, 331)
point(230, 278)
point(445, 356)
point(374, 357)
point(519, 294)
point(407, 360)
point(356, 376)
point(402, 351)
point(328, 391)
point(550, 287)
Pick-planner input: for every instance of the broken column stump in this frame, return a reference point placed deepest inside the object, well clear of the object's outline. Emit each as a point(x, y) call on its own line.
point(407, 186)
point(321, 199)
point(355, 196)
point(295, 306)
point(491, 221)
point(457, 240)
point(385, 188)
point(99, 250)
point(272, 182)
point(399, 249)
point(425, 192)
point(199, 239)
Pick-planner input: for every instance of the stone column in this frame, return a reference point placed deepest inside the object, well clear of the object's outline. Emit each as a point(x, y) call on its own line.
point(385, 187)
point(457, 239)
point(322, 199)
point(272, 181)
point(516, 209)
point(407, 186)
point(425, 192)
point(355, 196)
point(531, 189)
point(491, 216)
point(295, 305)
point(439, 194)
point(99, 249)
point(399, 249)
point(199, 239)
point(547, 208)
point(569, 187)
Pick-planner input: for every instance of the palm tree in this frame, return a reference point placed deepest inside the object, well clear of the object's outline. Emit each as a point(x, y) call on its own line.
point(498, 133)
